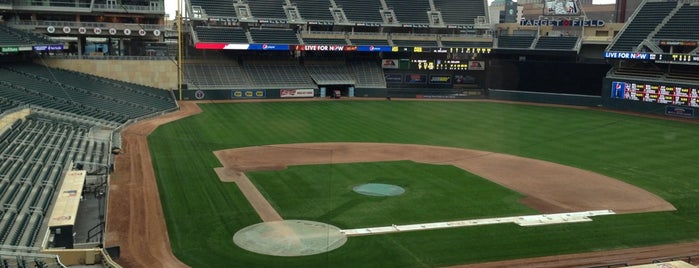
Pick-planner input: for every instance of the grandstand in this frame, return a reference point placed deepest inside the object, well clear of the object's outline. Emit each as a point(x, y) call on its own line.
point(515, 41)
point(645, 20)
point(278, 75)
point(410, 12)
point(60, 118)
point(557, 42)
point(214, 8)
point(460, 12)
point(324, 41)
point(267, 9)
point(676, 26)
point(275, 36)
point(221, 34)
point(361, 10)
point(314, 10)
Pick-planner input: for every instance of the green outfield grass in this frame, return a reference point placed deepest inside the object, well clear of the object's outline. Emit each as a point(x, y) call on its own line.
point(203, 213)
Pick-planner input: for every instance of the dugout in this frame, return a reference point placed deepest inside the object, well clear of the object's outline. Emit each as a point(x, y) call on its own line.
point(62, 221)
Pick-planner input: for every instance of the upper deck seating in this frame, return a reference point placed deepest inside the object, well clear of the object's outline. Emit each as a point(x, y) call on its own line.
point(216, 8)
point(645, 21)
point(411, 11)
point(361, 10)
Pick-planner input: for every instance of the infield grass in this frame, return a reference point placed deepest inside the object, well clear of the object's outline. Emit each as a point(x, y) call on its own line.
point(434, 193)
point(203, 213)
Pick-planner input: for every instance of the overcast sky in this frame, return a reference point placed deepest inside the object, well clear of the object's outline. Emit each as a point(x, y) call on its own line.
point(171, 5)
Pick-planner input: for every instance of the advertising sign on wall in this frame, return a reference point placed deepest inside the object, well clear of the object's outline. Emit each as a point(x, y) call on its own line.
point(296, 93)
point(238, 94)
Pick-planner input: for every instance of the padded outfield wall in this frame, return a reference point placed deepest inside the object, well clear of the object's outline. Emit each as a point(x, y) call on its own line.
point(648, 104)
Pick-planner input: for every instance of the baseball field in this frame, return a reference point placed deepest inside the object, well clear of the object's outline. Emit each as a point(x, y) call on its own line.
point(203, 211)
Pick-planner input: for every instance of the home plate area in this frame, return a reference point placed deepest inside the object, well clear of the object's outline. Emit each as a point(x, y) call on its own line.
point(530, 220)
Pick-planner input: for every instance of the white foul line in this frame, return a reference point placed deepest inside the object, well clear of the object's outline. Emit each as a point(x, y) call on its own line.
point(529, 220)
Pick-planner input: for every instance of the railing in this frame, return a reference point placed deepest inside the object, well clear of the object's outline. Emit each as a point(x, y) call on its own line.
point(367, 34)
point(104, 25)
point(93, 57)
point(466, 35)
point(129, 8)
point(98, 231)
point(324, 32)
point(414, 34)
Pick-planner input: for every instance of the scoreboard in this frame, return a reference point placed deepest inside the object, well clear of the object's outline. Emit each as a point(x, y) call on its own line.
point(439, 64)
point(675, 58)
point(656, 93)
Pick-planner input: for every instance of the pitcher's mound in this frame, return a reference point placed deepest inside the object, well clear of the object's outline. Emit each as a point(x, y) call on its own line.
point(378, 189)
point(289, 238)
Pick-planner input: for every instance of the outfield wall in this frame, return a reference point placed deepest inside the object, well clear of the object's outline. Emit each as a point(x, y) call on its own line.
point(418, 93)
point(648, 106)
point(153, 73)
point(542, 97)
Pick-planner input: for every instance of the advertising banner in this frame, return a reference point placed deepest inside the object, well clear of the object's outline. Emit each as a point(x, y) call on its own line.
point(416, 79)
point(440, 79)
point(476, 65)
point(296, 93)
point(394, 78)
point(679, 111)
point(389, 64)
point(657, 93)
point(247, 94)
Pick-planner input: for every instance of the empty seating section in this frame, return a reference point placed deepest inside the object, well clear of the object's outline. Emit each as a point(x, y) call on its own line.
point(216, 8)
point(275, 36)
point(677, 27)
point(29, 37)
point(680, 72)
point(368, 74)
point(6, 104)
point(412, 11)
point(36, 98)
point(460, 11)
point(267, 9)
point(324, 41)
point(81, 94)
point(9, 38)
point(16, 259)
point(637, 71)
point(221, 34)
point(361, 10)
point(330, 74)
point(370, 42)
point(515, 41)
point(215, 76)
point(263, 75)
point(279, 75)
point(466, 44)
point(315, 10)
point(415, 43)
point(551, 42)
point(646, 20)
point(32, 157)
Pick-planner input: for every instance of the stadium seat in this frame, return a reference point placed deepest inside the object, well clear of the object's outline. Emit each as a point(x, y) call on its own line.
point(641, 25)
